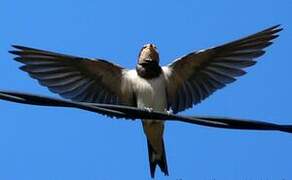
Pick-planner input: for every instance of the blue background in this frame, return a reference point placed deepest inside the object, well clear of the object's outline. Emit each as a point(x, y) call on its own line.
point(57, 143)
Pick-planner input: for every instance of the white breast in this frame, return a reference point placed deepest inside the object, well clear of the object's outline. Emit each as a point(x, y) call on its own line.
point(150, 93)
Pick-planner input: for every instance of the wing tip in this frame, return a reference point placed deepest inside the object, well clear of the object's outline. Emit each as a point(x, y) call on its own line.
point(16, 46)
point(277, 26)
point(19, 47)
point(18, 50)
point(12, 51)
point(274, 29)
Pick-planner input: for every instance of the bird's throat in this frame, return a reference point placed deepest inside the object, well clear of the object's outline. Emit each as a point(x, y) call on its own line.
point(148, 71)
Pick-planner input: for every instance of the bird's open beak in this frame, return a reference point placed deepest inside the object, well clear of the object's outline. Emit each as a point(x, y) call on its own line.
point(148, 60)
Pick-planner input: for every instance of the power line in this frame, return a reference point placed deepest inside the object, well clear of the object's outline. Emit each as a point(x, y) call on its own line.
point(127, 112)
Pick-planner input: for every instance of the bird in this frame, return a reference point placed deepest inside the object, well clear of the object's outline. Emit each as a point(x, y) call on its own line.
point(172, 88)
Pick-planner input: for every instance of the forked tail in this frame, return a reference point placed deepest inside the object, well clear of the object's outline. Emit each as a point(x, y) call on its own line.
point(155, 159)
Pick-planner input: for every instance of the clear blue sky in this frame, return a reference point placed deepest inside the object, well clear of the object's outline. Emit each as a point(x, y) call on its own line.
point(57, 144)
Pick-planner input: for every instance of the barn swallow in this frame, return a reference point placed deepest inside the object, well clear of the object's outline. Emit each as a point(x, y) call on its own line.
point(175, 87)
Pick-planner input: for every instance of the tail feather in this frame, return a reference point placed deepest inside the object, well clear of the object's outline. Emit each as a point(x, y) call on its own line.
point(154, 160)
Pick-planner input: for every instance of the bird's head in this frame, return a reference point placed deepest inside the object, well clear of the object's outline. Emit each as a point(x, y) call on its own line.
point(148, 55)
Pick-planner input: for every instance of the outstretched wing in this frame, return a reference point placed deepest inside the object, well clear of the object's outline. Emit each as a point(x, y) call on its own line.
point(192, 78)
point(76, 78)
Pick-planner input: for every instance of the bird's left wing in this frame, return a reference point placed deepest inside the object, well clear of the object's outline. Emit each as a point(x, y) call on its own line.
point(192, 78)
point(76, 78)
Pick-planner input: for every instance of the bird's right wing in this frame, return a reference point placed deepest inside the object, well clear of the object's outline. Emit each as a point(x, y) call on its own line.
point(195, 76)
point(76, 78)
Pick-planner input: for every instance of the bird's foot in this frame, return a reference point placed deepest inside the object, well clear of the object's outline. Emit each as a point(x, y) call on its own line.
point(169, 111)
point(148, 109)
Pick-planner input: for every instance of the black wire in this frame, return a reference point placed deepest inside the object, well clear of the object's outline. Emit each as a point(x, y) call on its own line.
point(127, 112)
